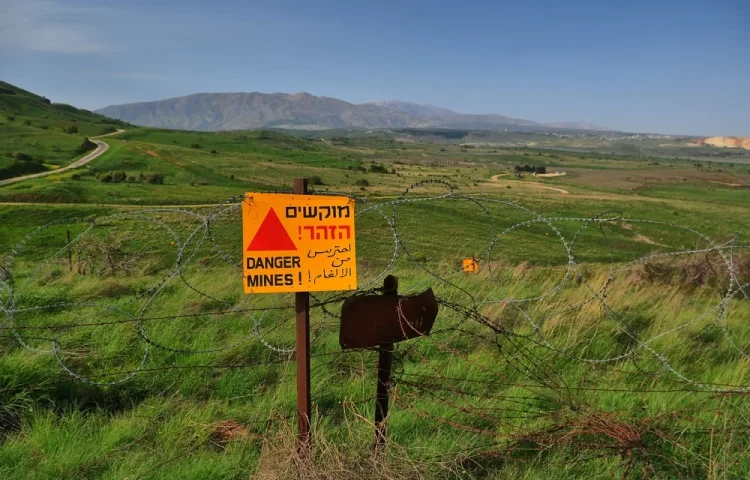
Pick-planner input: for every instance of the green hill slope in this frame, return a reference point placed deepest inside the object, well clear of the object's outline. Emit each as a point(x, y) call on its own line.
point(38, 135)
point(146, 165)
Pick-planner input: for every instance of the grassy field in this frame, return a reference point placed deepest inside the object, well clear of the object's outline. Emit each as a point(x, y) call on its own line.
point(37, 135)
point(133, 353)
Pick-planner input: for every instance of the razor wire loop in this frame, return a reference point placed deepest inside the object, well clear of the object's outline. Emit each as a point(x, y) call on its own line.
point(203, 234)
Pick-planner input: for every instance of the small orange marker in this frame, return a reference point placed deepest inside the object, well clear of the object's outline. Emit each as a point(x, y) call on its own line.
point(470, 264)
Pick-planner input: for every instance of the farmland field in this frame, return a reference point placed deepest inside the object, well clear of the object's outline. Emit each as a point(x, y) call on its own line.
point(604, 336)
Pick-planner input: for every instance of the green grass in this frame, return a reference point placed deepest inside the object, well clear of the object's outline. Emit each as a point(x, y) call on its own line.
point(470, 401)
point(169, 414)
point(32, 125)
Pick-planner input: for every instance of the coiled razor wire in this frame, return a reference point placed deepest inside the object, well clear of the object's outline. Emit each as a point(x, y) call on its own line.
point(203, 233)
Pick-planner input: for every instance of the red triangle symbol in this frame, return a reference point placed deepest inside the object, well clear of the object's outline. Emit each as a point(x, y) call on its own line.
point(271, 235)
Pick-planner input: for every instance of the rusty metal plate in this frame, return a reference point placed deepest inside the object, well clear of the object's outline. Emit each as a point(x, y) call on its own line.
point(371, 320)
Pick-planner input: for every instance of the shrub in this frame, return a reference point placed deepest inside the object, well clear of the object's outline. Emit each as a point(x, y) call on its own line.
point(21, 167)
point(375, 168)
point(362, 182)
point(154, 178)
point(11, 118)
point(741, 266)
point(316, 180)
point(85, 146)
point(107, 256)
point(71, 129)
point(75, 176)
point(195, 145)
point(214, 152)
point(22, 157)
point(43, 127)
point(119, 177)
point(530, 168)
point(27, 123)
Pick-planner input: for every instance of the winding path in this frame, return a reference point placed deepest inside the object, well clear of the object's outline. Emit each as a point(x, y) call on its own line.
point(101, 147)
point(496, 178)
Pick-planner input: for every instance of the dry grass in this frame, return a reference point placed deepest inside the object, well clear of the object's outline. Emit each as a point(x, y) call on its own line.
point(634, 178)
point(342, 459)
point(695, 271)
point(598, 434)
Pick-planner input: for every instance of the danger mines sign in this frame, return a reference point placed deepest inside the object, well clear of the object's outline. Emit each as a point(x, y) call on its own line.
point(298, 243)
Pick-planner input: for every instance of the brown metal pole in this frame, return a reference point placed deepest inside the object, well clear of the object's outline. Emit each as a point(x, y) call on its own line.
point(302, 343)
point(385, 363)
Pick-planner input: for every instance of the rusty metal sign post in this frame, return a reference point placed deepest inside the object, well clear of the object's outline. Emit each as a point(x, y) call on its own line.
point(302, 344)
point(369, 321)
point(299, 243)
point(385, 365)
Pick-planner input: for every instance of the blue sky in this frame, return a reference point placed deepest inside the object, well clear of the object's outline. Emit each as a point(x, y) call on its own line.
point(657, 66)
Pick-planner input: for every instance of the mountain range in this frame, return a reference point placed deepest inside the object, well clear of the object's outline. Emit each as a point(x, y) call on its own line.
point(239, 111)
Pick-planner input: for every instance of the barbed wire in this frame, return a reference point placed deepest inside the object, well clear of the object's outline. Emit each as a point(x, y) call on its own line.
point(204, 233)
point(523, 330)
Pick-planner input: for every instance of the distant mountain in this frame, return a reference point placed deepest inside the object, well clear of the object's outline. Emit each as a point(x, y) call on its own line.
point(413, 108)
point(238, 111)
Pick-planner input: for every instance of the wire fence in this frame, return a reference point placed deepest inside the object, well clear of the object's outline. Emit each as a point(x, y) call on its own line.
point(563, 313)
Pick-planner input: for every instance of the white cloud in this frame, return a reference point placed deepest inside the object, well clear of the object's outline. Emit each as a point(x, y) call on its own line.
point(141, 76)
point(51, 26)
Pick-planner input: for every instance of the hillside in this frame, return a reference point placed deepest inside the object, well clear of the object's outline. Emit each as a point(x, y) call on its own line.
point(238, 111)
point(38, 135)
point(27, 105)
point(728, 142)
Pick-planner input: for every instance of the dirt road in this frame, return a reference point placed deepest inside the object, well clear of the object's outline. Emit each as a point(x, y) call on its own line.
point(101, 147)
point(496, 178)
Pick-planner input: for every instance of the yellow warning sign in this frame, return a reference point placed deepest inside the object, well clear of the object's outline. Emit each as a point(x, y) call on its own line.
point(298, 243)
point(470, 265)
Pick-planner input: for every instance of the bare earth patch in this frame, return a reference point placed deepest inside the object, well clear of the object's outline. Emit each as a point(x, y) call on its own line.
point(496, 178)
point(728, 184)
point(227, 431)
point(556, 174)
point(644, 239)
